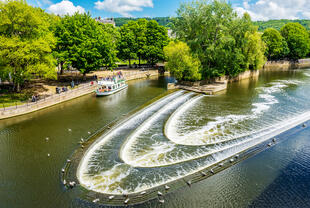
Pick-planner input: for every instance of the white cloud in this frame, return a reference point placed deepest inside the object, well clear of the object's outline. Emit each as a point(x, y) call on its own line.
point(275, 9)
point(65, 7)
point(123, 7)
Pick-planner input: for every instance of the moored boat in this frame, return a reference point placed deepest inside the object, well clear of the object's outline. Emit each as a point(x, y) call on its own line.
point(111, 85)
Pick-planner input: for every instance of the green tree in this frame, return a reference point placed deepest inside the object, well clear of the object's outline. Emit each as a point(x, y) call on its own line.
point(25, 43)
point(127, 45)
point(156, 40)
point(219, 38)
point(84, 43)
point(276, 46)
point(181, 64)
point(298, 40)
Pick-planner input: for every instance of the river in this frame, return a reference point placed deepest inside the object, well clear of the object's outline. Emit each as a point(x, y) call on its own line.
point(275, 177)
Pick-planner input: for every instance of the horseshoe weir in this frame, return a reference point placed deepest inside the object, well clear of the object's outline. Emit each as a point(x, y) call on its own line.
point(181, 138)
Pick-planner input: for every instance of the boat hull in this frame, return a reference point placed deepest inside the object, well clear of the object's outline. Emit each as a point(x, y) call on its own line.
point(99, 94)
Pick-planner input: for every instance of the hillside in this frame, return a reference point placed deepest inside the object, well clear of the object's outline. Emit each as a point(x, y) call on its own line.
point(262, 25)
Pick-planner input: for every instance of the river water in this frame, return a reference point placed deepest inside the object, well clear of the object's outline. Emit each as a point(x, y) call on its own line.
point(176, 135)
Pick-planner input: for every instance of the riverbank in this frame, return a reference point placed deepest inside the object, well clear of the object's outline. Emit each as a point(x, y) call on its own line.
point(157, 193)
point(53, 99)
point(216, 85)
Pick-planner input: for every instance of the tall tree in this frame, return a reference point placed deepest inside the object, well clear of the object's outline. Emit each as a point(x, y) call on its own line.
point(84, 43)
point(298, 40)
point(156, 40)
point(180, 63)
point(25, 43)
point(276, 45)
point(216, 34)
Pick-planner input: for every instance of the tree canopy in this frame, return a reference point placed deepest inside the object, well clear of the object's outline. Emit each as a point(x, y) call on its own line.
point(84, 43)
point(298, 40)
point(224, 43)
point(181, 64)
point(26, 43)
point(276, 46)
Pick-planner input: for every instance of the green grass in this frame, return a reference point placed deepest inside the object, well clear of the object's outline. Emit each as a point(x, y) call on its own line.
point(8, 99)
point(126, 62)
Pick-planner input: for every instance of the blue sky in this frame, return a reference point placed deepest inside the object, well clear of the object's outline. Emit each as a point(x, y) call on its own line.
point(258, 9)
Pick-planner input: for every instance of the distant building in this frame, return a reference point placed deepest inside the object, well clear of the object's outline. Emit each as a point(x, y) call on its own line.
point(105, 20)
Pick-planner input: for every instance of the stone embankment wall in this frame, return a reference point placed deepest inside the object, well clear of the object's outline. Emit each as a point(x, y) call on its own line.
point(287, 65)
point(65, 96)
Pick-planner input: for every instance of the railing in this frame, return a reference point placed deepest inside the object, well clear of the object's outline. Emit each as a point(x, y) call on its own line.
point(55, 98)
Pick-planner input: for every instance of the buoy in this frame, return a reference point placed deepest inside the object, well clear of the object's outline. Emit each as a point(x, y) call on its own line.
point(82, 140)
point(269, 145)
point(212, 171)
point(231, 160)
point(65, 182)
point(96, 200)
point(203, 173)
point(111, 197)
point(237, 156)
point(89, 132)
point(274, 140)
point(161, 201)
point(68, 160)
point(82, 146)
point(159, 193)
point(109, 127)
point(69, 130)
point(63, 170)
point(142, 193)
point(304, 125)
point(221, 164)
point(48, 154)
point(46, 138)
point(125, 195)
point(126, 201)
point(72, 184)
point(167, 187)
point(189, 183)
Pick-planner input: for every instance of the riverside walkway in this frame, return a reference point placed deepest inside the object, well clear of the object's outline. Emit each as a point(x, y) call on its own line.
point(47, 101)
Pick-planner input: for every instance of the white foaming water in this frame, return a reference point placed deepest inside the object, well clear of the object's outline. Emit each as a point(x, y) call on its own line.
point(211, 133)
point(224, 146)
point(157, 149)
point(83, 168)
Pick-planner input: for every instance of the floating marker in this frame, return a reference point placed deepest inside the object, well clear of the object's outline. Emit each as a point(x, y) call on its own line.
point(82, 146)
point(143, 192)
point(63, 170)
point(161, 201)
point(96, 200)
point(68, 160)
point(82, 140)
point(189, 183)
point(237, 156)
point(167, 187)
point(203, 173)
point(89, 132)
point(269, 145)
point(221, 164)
point(159, 193)
point(46, 138)
point(304, 125)
point(125, 195)
point(211, 171)
point(65, 182)
point(126, 201)
point(48, 154)
point(111, 197)
point(69, 130)
point(231, 160)
point(72, 184)
point(274, 140)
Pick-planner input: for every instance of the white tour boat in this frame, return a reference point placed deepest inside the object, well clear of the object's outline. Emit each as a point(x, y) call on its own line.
point(110, 86)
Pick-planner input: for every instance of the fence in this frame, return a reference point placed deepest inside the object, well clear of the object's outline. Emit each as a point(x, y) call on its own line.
point(46, 101)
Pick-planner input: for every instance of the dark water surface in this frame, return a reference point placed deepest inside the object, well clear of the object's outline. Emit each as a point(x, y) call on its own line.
point(277, 177)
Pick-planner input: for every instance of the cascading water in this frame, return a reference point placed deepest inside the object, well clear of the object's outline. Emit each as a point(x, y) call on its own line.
point(183, 133)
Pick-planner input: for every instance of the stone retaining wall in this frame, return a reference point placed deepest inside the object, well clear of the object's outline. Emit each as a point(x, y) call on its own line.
point(287, 65)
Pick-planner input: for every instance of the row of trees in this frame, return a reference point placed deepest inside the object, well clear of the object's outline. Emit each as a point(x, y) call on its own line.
point(222, 42)
point(291, 42)
point(33, 43)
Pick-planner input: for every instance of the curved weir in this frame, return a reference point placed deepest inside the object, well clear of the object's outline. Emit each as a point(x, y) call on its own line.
point(184, 133)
